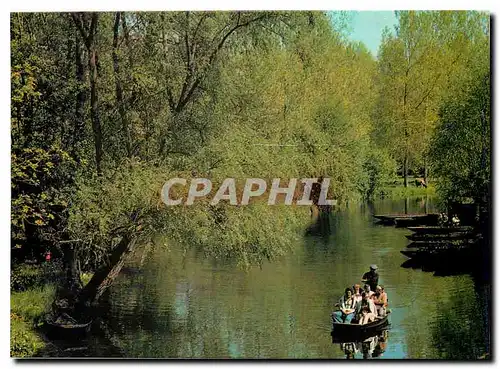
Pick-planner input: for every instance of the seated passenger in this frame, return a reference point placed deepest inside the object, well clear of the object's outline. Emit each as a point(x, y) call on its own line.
point(357, 293)
point(380, 301)
point(366, 315)
point(347, 308)
point(368, 290)
point(365, 302)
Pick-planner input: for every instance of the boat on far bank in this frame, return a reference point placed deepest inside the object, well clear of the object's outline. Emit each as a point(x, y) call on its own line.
point(440, 230)
point(406, 220)
point(440, 237)
point(446, 253)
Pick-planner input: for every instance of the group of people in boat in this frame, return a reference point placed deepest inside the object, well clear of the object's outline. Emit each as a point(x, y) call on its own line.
point(362, 305)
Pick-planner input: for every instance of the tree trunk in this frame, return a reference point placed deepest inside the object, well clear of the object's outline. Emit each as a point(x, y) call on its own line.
point(89, 38)
point(105, 275)
point(405, 123)
point(130, 51)
point(118, 87)
point(73, 282)
point(94, 109)
point(81, 98)
point(126, 34)
point(405, 171)
point(426, 173)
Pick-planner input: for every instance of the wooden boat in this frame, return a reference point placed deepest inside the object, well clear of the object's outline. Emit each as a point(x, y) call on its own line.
point(357, 330)
point(433, 244)
point(384, 219)
point(437, 237)
point(56, 330)
point(360, 338)
point(426, 220)
point(401, 216)
point(440, 230)
point(445, 253)
point(405, 220)
point(391, 218)
point(411, 253)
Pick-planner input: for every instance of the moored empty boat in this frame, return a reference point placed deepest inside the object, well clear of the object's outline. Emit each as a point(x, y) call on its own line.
point(440, 237)
point(66, 330)
point(439, 229)
point(404, 220)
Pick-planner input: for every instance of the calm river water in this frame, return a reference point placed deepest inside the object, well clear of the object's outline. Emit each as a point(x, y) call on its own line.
point(185, 306)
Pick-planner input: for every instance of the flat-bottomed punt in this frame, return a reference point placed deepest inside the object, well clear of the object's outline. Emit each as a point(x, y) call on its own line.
point(436, 244)
point(405, 220)
point(354, 330)
point(440, 237)
point(446, 254)
point(440, 230)
point(67, 331)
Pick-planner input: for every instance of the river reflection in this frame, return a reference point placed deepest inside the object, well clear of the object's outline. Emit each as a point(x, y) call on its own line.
point(369, 348)
point(184, 306)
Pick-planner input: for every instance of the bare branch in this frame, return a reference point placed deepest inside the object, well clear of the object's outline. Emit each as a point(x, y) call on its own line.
point(184, 100)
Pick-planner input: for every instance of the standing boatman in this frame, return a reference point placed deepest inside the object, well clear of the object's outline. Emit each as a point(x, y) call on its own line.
point(371, 277)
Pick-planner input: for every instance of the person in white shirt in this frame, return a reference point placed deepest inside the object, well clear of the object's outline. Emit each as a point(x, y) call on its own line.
point(357, 293)
point(347, 306)
point(368, 290)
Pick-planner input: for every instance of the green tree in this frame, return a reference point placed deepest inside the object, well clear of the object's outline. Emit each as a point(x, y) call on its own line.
point(416, 65)
point(461, 148)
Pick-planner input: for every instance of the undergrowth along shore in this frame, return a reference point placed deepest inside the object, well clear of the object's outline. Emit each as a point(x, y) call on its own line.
point(32, 292)
point(27, 309)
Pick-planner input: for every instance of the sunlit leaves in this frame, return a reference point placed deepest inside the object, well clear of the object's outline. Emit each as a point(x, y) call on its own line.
point(461, 146)
point(41, 181)
point(417, 67)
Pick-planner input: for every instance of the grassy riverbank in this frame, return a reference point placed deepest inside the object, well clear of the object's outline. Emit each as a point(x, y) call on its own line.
point(401, 192)
point(32, 293)
point(396, 190)
point(26, 311)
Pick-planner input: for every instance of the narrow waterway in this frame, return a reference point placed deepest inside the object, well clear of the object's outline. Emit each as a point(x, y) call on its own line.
point(185, 306)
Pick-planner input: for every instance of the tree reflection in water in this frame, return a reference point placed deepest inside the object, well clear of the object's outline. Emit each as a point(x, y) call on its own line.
point(462, 332)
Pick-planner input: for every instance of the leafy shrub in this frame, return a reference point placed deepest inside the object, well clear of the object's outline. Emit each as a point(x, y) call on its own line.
point(42, 182)
point(380, 169)
point(25, 276)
